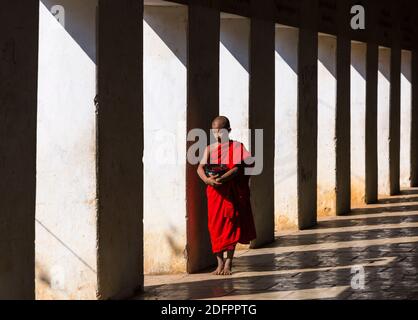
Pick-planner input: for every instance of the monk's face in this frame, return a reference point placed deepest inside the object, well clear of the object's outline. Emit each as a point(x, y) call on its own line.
point(219, 131)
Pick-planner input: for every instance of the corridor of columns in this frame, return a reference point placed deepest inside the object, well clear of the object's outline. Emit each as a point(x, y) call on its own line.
point(99, 200)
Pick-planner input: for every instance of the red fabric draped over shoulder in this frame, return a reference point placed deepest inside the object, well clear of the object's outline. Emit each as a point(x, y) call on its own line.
point(230, 218)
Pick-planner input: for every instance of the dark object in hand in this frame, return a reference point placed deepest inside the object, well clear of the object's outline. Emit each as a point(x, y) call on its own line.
point(215, 169)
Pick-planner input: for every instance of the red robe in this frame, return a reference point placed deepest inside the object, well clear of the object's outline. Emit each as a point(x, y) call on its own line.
point(230, 218)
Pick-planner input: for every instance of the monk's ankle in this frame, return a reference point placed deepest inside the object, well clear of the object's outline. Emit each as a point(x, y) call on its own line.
point(227, 270)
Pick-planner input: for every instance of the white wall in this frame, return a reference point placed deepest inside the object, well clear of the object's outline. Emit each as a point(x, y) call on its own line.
point(358, 123)
point(383, 104)
point(165, 100)
point(66, 169)
point(406, 100)
point(327, 99)
point(234, 74)
point(286, 127)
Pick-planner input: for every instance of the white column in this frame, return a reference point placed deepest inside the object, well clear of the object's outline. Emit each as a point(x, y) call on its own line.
point(66, 199)
point(406, 104)
point(234, 74)
point(383, 105)
point(358, 122)
point(165, 100)
point(286, 213)
point(327, 99)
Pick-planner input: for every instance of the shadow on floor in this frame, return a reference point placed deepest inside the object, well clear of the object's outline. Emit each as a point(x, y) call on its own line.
point(325, 262)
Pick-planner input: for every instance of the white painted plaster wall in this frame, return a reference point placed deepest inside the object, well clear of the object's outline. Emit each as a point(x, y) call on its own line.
point(234, 74)
point(327, 99)
point(406, 100)
point(286, 127)
point(165, 100)
point(358, 123)
point(66, 169)
point(383, 104)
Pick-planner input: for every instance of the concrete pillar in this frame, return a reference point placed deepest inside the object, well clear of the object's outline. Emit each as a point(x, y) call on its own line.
point(120, 148)
point(371, 122)
point(358, 123)
point(286, 83)
point(66, 197)
point(18, 83)
point(372, 55)
point(307, 124)
point(342, 113)
point(234, 74)
point(406, 104)
point(165, 101)
point(395, 120)
point(261, 116)
point(395, 101)
point(327, 102)
point(203, 106)
point(383, 118)
point(414, 118)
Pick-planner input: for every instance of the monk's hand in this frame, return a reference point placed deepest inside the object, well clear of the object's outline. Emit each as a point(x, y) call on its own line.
point(212, 181)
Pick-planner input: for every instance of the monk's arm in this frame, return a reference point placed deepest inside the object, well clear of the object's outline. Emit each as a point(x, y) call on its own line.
point(212, 181)
point(235, 171)
point(230, 174)
point(201, 166)
point(201, 171)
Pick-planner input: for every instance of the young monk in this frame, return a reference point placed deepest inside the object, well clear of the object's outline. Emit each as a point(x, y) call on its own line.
point(230, 218)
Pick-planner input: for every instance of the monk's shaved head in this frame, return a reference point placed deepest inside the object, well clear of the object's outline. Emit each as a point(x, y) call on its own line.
point(221, 122)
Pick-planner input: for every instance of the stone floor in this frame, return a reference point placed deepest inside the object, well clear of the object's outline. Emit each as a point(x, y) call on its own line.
point(321, 263)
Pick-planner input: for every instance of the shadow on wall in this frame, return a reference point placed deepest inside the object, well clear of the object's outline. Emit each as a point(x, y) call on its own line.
point(287, 52)
point(324, 54)
point(233, 29)
point(384, 68)
point(153, 15)
point(359, 64)
point(406, 71)
point(80, 27)
point(172, 240)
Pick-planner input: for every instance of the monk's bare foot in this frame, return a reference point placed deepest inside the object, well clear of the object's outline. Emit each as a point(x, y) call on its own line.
point(221, 264)
point(227, 270)
point(218, 270)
